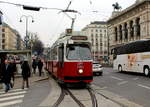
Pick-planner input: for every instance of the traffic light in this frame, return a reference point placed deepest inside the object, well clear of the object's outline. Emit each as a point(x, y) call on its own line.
point(31, 8)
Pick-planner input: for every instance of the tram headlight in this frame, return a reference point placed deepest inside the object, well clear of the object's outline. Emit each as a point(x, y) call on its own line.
point(80, 71)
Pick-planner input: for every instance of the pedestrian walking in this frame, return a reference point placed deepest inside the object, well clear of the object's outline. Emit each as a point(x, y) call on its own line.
point(6, 74)
point(14, 70)
point(34, 65)
point(40, 66)
point(25, 73)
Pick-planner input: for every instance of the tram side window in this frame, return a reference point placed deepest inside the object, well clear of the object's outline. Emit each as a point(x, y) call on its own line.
point(54, 54)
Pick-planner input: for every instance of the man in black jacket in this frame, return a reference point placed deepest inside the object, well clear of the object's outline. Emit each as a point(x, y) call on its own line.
point(40, 65)
point(6, 74)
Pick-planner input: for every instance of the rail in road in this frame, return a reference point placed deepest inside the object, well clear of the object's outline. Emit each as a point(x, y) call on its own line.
point(66, 91)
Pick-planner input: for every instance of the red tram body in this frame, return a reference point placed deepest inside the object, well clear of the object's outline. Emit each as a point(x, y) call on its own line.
point(70, 59)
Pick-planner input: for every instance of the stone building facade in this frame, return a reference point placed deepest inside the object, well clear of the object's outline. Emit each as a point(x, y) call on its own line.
point(10, 38)
point(97, 33)
point(131, 24)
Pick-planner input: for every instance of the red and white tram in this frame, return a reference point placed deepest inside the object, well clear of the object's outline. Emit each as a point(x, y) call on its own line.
point(70, 59)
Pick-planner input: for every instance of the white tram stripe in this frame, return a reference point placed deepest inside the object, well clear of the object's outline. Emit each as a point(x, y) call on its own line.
point(11, 94)
point(10, 103)
point(11, 98)
point(144, 86)
point(116, 78)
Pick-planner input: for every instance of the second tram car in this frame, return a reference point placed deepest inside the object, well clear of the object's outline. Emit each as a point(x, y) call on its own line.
point(71, 59)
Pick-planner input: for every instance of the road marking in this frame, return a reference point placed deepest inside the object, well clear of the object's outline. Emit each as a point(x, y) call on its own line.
point(123, 82)
point(13, 90)
point(135, 78)
point(15, 93)
point(144, 86)
point(11, 98)
point(10, 103)
point(116, 78)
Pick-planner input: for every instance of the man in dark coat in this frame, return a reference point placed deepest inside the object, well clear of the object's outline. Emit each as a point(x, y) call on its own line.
point(6, 74)
point(40, 65)
point(34, 65)
point(25, 73)
point(14, 69)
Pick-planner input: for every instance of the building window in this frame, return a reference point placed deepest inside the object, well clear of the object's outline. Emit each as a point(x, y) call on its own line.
point(131, 29)
point(3, 35)
point(116, 34)
point(126, 31)
point(3, 29)
point(96, 35)
point(120, 32)
point(3, 41)
point(3, 46)
point(138, 27)
point(96, 30)
point(101, 44)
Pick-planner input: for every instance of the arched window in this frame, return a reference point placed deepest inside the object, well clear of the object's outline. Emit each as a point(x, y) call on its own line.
point(126, 31)
point(120, 32)
point(116, 34)
point(131, 29)
point(138, 27)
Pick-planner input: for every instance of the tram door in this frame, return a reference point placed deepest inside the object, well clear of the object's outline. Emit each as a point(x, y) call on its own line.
point(60, 60)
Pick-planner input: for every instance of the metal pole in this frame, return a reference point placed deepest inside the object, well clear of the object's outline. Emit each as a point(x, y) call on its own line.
point(26, 37)
point(26, 32)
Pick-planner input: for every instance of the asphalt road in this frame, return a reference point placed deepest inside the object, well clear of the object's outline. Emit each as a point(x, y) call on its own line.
point(132, 86)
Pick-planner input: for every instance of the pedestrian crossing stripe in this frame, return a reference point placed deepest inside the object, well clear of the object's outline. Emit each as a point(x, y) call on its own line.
point(12, 97)
point(10, 103)
point(12, 90)
point(11, 94)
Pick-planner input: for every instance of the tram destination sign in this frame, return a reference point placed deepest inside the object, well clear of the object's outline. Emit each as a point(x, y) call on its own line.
point(79, 38)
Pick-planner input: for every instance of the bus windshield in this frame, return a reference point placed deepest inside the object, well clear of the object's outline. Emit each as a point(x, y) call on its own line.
point(78, 52)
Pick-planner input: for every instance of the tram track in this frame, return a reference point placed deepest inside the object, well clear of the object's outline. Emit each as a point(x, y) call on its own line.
point(93, 97)
point(65, 91)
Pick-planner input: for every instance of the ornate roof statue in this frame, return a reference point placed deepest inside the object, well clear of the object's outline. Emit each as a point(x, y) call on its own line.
point(116, 6)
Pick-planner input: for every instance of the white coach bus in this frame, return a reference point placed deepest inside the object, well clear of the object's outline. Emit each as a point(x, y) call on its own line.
point(133, 57)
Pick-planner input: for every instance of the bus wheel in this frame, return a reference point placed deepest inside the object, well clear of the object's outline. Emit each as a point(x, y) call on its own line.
point(146, 71)
point(120, 68)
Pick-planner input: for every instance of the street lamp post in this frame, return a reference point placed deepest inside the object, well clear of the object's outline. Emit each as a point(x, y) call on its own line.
point(26, 37)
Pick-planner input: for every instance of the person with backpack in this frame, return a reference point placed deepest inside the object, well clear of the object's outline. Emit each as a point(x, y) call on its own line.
point(25, 73)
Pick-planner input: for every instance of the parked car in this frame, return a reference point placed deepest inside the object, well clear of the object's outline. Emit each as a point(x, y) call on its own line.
point(97, 68)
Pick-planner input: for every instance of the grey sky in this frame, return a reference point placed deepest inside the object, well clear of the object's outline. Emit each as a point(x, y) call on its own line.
point(49, 24)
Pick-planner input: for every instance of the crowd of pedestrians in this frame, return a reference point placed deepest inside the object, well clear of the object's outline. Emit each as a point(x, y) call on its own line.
point(9, 69)
point(37, 64)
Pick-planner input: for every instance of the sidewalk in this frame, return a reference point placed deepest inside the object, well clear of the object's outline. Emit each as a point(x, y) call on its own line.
point(32, 79)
